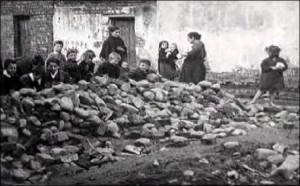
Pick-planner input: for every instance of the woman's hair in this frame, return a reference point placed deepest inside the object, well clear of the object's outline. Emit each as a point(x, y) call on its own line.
point(194, 35)
point(52, 60)
point(72, 50)
point(146, 61)
point(160, 44)
point(115, 54)
point(58, 42)
point(38, 60)
point(39, 70)
point(112, 29)
point(9, 61)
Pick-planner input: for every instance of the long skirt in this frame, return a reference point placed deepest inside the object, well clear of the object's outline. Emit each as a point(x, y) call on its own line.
point(193, 71)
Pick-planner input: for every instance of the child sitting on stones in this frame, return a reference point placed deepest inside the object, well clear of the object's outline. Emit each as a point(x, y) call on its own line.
point(33, 80)
point(142, 71)
point(86, 65)
point(110, 68)
point(9, 80)
point(71, 66)
point(124, 70)
point(54, 75)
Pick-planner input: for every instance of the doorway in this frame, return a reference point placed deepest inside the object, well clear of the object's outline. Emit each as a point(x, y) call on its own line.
point(126, 25)
point(22, 36)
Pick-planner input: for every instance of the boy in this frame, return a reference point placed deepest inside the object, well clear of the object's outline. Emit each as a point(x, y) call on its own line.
point(71, 66)
point(142, 71)
point(110, 68)
point(54, 75)
point(9, 80)
point(57, 48)
point(34, 79)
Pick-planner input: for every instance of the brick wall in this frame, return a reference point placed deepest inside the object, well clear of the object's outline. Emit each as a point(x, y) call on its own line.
point(39, 26)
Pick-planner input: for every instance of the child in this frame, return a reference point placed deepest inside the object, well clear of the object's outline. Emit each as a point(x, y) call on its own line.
point(271, 78)
point(9, 80)
point(142, 71)
point(54, 75)
point(162, 58)
point(171, 69)
point(86, 66)
point(34, 79)
point(124, 70)
point(110, 68)
point(71, 66)
point(57, 48)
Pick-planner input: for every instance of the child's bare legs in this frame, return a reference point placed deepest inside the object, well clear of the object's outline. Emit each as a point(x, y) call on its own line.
point(272, 95)
point(257, 95)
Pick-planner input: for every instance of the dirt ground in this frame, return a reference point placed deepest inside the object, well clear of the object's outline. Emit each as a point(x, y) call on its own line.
point(175, 160)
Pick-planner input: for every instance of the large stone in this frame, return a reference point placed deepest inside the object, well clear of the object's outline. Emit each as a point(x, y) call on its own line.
point(142, 142)
point(21, 174)
point(263, 154)
point(61, 136)
point(133, 149)
point(276, 159)
point(231, 144)
point(209, 139)
point(287, 168)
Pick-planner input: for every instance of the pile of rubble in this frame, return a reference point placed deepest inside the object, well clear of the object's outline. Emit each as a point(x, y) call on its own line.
point(39, 129)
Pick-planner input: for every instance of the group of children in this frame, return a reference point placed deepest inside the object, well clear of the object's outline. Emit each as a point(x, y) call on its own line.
point(57, 69)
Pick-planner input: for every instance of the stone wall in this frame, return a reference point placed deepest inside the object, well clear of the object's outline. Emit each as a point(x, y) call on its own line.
point(40, 26)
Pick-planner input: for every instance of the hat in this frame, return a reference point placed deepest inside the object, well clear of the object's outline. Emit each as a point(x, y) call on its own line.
point(113, 28)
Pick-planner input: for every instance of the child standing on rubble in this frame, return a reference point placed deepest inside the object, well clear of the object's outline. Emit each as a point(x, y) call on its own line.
point(54, 75)
point(172, 70)
point(71, 66)
point(271, 78)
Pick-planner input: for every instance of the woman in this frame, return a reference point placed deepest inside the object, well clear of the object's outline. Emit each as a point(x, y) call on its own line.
point(271, 78)
point(114, 44)
point(193, 68)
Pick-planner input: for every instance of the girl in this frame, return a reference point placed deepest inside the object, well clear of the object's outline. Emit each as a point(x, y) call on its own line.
point(86, 66)
point(162, 58)
point(9, 80)
point(71, 66)
point(271, 78)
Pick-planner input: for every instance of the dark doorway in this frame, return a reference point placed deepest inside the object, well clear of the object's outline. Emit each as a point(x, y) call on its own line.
point(22, 36)
point(128, 35)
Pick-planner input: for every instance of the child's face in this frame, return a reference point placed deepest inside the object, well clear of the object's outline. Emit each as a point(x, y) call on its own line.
point(12, 69)
point(173, 47)
point(144, 67)
point(113, 60)
point(52, 67)
point(72, 56)
point(164, 45)
point(124, 64)
point(57, 47)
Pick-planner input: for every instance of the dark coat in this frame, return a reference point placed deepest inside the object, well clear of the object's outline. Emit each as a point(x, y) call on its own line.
point(110, 45)
point(72, 68)
point(170, 66)
point(61, 57)
point(61, 77)
point(124, 73)
point(272, 80)
point(113, 71)
point(24, 66)
point(139, 75)
point(193, 68)
point(86, 70)
point(9, 84)
point(27, 82)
